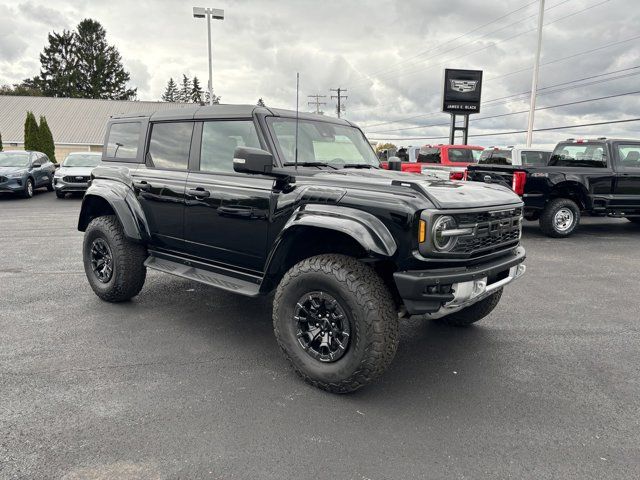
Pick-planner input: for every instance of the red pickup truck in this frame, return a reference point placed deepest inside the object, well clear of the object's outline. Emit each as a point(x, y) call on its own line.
point(442, 161)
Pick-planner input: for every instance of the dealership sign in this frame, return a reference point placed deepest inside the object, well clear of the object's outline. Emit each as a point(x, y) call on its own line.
point(462, 90)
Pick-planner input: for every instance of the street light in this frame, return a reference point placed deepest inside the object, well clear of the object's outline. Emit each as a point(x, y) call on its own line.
point(217, 14)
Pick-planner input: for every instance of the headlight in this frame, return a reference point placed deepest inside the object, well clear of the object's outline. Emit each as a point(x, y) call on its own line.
point(15, 174)
point(441, 240)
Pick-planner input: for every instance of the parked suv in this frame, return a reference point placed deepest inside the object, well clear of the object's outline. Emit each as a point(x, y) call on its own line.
point(75, 172)
point(22, 172)
point(253, 201)
point(597, 177)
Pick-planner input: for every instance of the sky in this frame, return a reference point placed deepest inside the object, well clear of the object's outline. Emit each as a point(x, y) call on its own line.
point(388, 55)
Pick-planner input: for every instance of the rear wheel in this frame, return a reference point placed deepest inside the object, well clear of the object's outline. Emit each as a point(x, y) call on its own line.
point(50, 187)
point(560, 218)
point(473, 313)
point(336, 322)
point(28, 189)
point(113, 264)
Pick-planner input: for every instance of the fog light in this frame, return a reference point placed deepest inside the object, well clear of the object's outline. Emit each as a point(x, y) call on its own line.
point(520, 270)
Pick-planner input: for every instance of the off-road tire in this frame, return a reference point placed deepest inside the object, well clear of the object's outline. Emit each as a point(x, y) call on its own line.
point(473, 313)
point(547, 219)
point(129, 272)
point(28, 192)
point(60, 194)
point(367, 302)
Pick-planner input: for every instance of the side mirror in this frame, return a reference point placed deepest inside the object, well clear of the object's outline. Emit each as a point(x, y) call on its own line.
point(36, 165)
point(252, 160)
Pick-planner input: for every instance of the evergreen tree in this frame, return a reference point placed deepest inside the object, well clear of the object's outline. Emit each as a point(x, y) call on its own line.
point(184, 95)
point(47, 146)
point(261, 103)
point(216, 98)
point(31, 133)
point(58, 73)
point(197, 94)
point(171, 92)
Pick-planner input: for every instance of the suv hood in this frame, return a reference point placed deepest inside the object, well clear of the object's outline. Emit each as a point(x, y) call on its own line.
point(442, 193)
point(80, 171)
point(7, 170)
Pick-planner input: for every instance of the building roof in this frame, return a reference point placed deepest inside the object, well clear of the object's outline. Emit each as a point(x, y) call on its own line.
point(71, 120)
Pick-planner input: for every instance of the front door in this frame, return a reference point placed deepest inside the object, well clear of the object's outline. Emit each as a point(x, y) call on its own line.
point(160, 184)
point(227, 213)
point(627, 183)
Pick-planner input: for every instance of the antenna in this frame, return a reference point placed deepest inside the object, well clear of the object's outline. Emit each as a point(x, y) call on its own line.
point(297, 98)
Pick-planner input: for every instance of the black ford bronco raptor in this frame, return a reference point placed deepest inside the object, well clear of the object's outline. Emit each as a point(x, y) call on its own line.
point(254, 200)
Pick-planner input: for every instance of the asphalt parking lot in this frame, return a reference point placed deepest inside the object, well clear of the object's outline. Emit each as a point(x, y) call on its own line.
point(187, 381)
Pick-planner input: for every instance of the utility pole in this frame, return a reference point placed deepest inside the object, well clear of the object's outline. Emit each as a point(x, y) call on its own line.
point(339, 97)
point(317, 102)
point(534, 80)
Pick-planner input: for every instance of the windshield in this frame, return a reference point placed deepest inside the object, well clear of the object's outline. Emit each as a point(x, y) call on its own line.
point(8, 159)
point(578, 155)
point(335, 145)
point(81, 160)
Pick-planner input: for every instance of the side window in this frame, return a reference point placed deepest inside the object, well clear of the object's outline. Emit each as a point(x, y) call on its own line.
point(170, 144)
point(429, 155)
point(219, 141)
point(629, 156)
point(123, 140)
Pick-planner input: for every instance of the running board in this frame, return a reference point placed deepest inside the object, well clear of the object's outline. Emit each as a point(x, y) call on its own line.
point(218, 280)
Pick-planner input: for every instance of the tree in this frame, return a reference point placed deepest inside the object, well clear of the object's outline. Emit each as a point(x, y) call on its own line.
point(216, 98)
point(58, 67)
point(197, 94)
point(260, 103)
point(31, 133)
point(21, 89)
point(384, 146)
point(47, 146)
point(99, 65)
point(185, 90)
point(171, 92)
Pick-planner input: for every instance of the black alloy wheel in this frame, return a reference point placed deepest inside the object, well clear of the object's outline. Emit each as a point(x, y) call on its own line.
point(322, 327)
point(101, 260)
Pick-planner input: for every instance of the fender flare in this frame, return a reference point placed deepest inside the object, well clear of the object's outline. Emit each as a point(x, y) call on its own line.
point(573, 183)
point(123, 202)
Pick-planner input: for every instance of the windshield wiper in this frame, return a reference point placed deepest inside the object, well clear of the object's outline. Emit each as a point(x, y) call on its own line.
point(359, 165)
point(309, 164)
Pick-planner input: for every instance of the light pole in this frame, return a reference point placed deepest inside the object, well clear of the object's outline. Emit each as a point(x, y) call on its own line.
point(534, 80)
point(217, 14)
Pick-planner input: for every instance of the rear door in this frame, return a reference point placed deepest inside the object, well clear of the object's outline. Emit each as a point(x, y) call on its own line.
point(160, 183)
point(627, 183)
point(226, 213)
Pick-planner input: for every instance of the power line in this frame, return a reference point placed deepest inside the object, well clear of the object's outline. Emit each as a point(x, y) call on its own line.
point(515, 113)
point(496, 134)
point(541, 91)
point(317, 102)
point(339, 97)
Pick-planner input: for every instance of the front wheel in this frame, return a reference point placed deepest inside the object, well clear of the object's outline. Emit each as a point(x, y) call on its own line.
point(114, 265)
point(336, 322)
point(50, 187)
point(60, 194)
point(28, 189)
point(560, 218)
point(473, 313)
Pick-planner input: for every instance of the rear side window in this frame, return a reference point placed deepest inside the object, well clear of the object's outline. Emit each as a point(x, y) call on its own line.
point(532, 158)
point(462, 155)
point(429, 155)
point(496, 157)
point(170, 144)
point(123, 140)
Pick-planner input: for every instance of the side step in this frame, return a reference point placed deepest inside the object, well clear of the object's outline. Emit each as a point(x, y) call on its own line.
point(218, 280)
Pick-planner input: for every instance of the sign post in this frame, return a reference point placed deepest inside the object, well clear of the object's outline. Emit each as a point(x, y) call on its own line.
point(461, 97)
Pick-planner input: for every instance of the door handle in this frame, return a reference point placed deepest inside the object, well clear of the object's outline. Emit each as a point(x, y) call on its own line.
point(236, 211)
point(198, 192)
point(143, 185)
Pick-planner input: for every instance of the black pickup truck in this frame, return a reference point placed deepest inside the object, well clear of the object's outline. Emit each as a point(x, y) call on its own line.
point(595, 177)
point(254, 200)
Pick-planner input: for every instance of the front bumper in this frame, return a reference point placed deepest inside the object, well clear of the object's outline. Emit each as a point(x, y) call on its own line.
point(12, 185)
point(444, 291)
point(62, 186)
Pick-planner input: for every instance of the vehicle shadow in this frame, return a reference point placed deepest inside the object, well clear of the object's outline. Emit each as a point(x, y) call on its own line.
point(588, 227)
point(7, 196)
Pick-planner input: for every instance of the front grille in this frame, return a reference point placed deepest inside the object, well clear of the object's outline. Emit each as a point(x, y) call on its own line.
point(492, 230)
point(75, 179)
